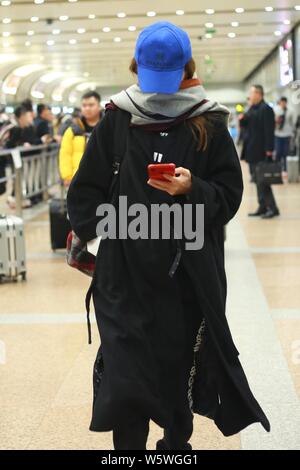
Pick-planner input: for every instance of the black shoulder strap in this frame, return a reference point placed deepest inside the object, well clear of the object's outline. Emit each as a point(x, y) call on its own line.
point(122, 121)
point(121, 128)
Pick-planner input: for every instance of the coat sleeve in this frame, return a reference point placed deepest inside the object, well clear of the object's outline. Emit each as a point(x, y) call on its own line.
point(222, 187)
point(90, 184)
point(66, 155)
point(13, 138)
point(244, 121)
point(269, 128)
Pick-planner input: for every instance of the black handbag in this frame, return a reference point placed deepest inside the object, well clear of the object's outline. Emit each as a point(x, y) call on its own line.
point(268, 172)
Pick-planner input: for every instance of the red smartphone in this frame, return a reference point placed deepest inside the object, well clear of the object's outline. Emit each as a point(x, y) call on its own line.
point(156, 170)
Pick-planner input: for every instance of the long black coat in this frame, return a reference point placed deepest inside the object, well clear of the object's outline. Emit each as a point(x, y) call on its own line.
point(138, 305)
point(259, 124)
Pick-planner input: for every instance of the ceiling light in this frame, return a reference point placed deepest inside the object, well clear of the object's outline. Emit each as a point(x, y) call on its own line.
point(91, 17)
point(277, 33)
point(63, 18)
point(56, 31)
point(131, 28)
point(72, 1)
point(234, 24)
point(208, 35)
point(50, 42)
point(117, 39)
point(297, 7)
point(239, 10)
point(6, 34)
point(27, 43)
point(37, 94)
point(38, 2)
point(80, 30)
point(231, 35)
point(269, 8)
point(6, 44)
point(34, 19)
point(121, 15)
point(6, 20)
point(287, 22)
point(5, 3)
point(95, 40)
point(72, 41)
point(151, 13)
point(30, 33)
point(209, 25)
point(179, 12)
point(209, 11)
point(106, 29)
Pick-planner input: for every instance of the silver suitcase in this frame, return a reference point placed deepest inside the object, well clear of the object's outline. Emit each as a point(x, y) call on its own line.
point(12, 248)
point(292, 164)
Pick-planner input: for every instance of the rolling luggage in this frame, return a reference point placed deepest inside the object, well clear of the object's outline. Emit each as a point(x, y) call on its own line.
point(59, 223)
point(292, 164)
point(12, 248)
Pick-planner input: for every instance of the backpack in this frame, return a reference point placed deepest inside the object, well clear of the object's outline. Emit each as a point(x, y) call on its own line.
point(77, 255)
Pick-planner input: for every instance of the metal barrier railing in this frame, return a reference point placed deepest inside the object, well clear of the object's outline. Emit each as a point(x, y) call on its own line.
point(33, 170)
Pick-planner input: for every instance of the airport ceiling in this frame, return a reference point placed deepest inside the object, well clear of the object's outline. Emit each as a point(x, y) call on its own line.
point(76, 44)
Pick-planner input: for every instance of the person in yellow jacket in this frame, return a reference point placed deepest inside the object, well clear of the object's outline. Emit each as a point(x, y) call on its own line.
point(76, 136)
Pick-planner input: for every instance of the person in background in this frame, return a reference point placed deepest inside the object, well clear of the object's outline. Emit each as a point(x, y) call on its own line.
point(76, 136)
point(19, 135)
point(30, 131)
point(242, 139)
point(259, 121)
point(43, 124)
point(284, 129)
point(67, 120)
point(4, 118)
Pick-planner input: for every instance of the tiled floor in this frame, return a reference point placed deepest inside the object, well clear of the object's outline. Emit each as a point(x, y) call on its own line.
point(45, 384)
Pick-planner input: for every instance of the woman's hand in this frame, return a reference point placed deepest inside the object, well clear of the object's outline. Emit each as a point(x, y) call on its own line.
point(175, 185)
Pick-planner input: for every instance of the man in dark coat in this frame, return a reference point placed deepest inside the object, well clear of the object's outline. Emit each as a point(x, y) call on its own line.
point(259, 121)
point(43, 124)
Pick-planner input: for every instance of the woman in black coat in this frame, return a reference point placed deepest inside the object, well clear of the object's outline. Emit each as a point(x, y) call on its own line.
point(166, 349)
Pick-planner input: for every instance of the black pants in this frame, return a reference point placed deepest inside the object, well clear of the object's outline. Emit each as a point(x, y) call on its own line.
point(282, 146)
point(265, 194)
point(134, 434)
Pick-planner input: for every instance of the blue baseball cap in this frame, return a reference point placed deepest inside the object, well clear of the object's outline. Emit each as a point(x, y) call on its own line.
point(161, 52)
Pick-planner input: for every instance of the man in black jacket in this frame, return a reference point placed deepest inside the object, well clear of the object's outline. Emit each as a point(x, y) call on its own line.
point(43, 124)
point(260, 123)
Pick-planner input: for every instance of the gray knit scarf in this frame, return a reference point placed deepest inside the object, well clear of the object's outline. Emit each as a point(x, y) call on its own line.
point(155, 108)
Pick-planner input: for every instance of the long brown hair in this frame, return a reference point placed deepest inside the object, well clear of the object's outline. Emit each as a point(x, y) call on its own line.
point(201, 126)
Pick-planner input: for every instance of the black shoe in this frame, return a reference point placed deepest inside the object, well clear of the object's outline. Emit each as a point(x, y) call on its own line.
point(270, 214)
point(258, 212)
point(162, 444)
